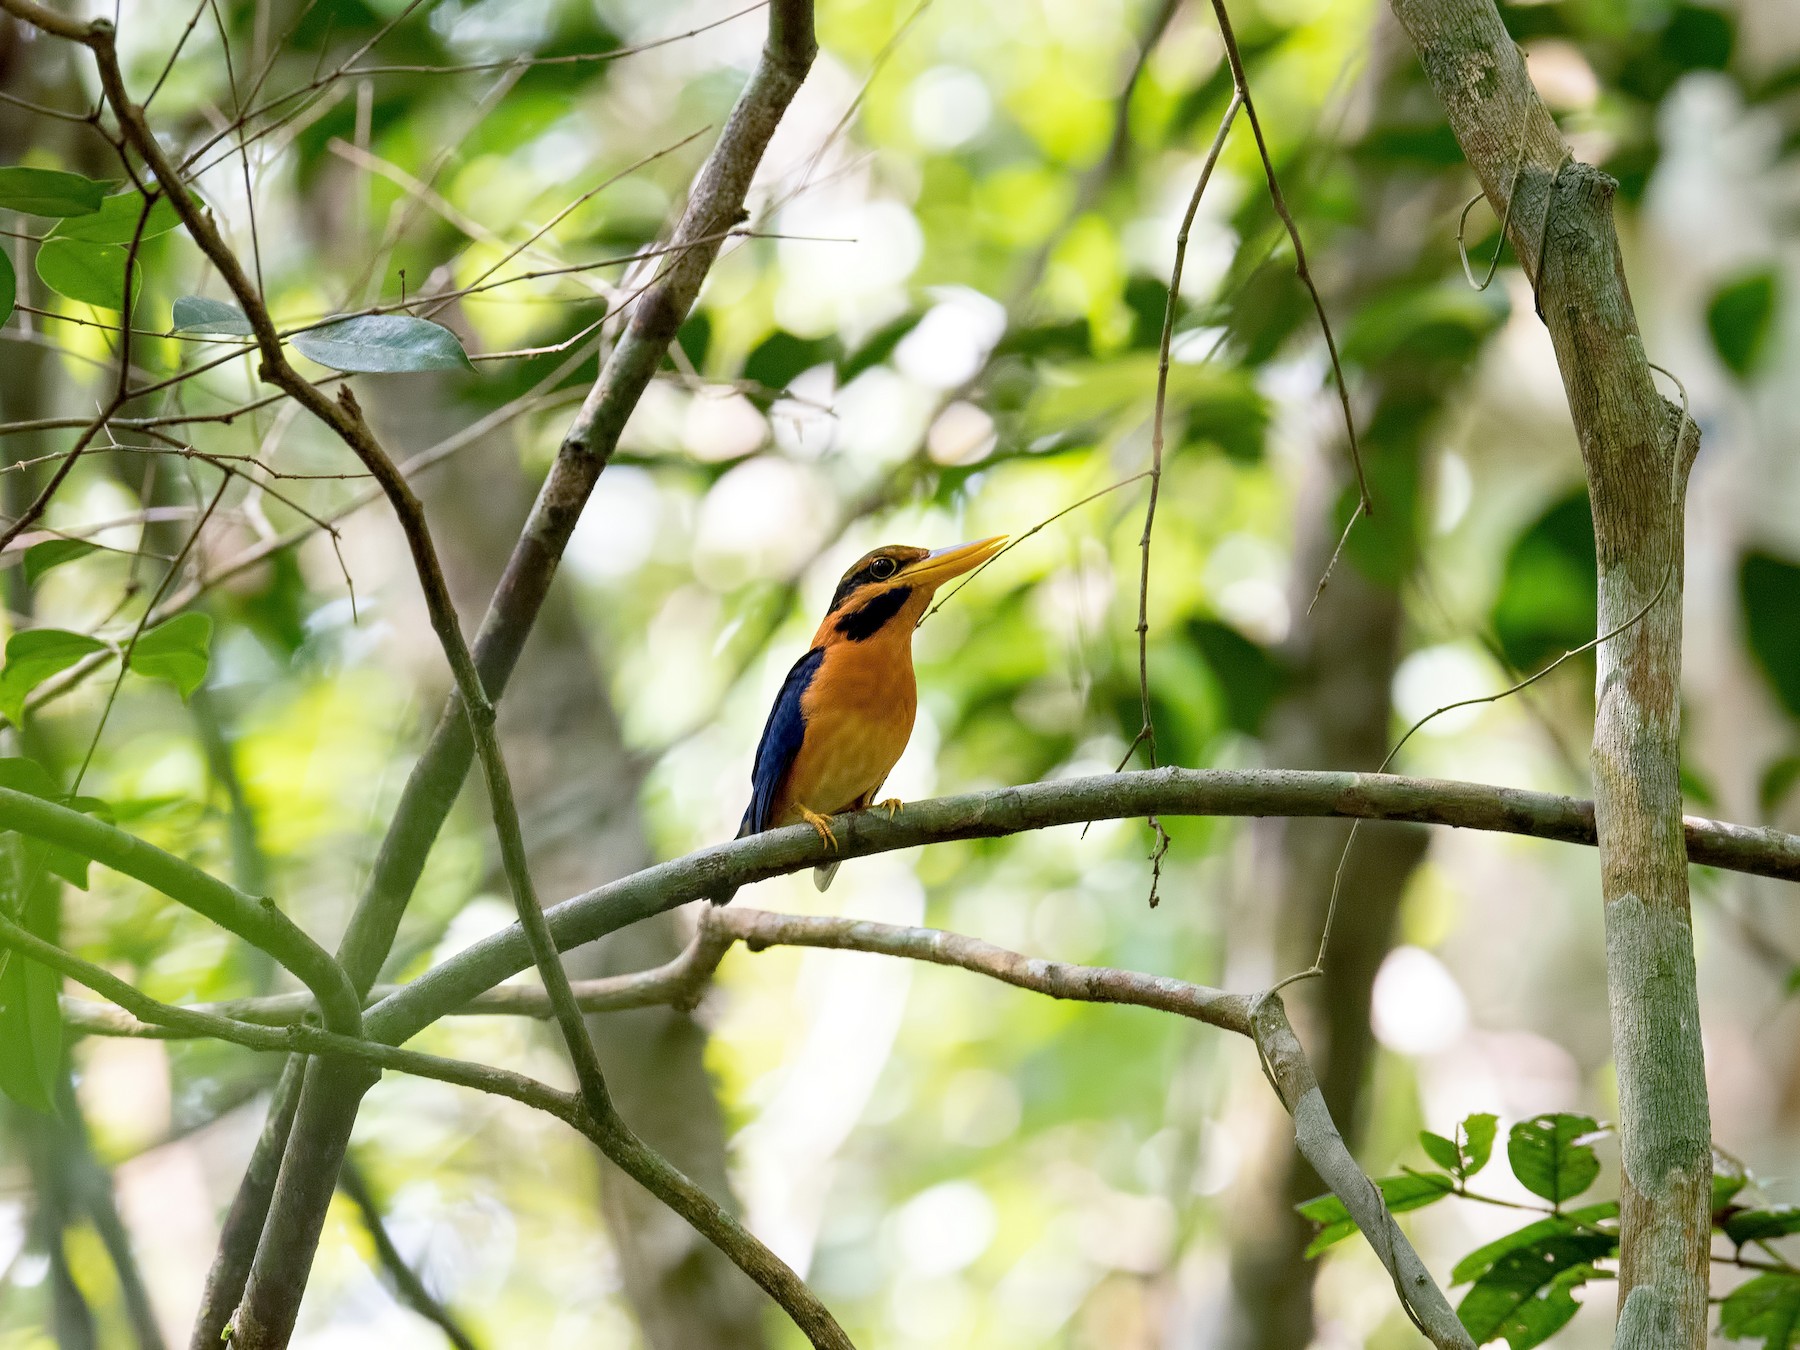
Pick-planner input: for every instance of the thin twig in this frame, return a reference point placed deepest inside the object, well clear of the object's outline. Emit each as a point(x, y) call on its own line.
point(1146, 735)
point(1241, 82)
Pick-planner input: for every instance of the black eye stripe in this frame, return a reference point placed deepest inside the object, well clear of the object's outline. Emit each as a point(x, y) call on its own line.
point(876, 570)
point(864, 622)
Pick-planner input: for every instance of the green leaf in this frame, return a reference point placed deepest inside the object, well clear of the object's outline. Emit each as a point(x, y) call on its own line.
point(176, 651)
point(1441, 1151)
point(31, 1033)
point(9, 286)
point(1410, 1190)
point(1777, 781)
point(116, 222)
point(1527, 1296)
point(1769, 590)
point(49, 192)
point(33, 657)
point(1469, 1152)
point(1329, 1236)
point(31, 1037)
point(1249, 676)
point(1547, 1160)
point(1729, 1176)
point(30, 777)
point(695, 338)
point(198, 314)
point(1071, 338)
point(1442, 324)
point(1758, 1225)
point(91, 273)
point(1478, 1262)
point(781, 356)
point(40, 558)
point(1478, 1140)
point(383, 344)
point(1765, 1308)
point(1740, 318)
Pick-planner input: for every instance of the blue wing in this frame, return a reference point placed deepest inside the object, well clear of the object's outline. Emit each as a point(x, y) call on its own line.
point(781, 738)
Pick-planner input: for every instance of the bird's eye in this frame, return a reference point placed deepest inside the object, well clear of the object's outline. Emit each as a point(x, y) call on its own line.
point(882, 568)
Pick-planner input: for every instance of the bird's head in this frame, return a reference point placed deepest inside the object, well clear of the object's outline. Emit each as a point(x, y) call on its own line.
point(894, 581)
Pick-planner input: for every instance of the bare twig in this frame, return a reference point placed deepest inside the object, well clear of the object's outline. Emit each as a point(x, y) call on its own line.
point(1146, 735)
point(1241, 82)
point(1004, 811)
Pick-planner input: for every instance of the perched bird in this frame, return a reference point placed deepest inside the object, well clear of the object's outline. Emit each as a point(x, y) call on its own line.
point(845, 711)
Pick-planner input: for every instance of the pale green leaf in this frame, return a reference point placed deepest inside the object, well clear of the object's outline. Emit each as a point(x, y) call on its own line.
point(199, 314)
point(1548, 1161)
point(383, 344)
point(1766, 1308)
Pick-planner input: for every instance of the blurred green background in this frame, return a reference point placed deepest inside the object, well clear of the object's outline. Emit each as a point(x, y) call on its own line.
point(946, 328)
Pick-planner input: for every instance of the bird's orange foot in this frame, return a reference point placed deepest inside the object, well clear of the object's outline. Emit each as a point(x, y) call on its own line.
point(893, 806)
point(822, 824)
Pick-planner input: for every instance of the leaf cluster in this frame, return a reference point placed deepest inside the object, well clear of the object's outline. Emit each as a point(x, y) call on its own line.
point(1522, 1285)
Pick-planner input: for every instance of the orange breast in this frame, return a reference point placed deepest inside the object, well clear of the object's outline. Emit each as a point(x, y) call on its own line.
point(859, 715)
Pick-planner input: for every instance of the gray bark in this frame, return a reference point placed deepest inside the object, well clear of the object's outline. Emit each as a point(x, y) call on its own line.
point(1636, 449)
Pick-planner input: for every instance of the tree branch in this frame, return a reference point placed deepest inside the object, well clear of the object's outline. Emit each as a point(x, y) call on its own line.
point(465, 983)
point(608, 1132)
point(680, 982)
point(1260, 1018)
point(1003, 811)
point(256, 920)
point(277, 1278)
point(1317, 1137)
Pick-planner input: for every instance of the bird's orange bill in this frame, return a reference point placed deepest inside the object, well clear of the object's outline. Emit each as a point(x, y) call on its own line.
point(936, 568)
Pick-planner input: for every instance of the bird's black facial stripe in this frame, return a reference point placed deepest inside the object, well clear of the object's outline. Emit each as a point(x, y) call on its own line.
point(863, 623)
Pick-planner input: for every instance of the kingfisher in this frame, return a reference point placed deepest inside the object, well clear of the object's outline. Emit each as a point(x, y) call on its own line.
point(845, 711)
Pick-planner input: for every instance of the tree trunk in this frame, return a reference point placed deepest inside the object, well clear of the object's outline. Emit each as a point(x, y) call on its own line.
point(1636, 449)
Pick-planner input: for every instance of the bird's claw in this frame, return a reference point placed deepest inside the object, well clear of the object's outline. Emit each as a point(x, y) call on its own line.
point(822, 824)
point(892, 806)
